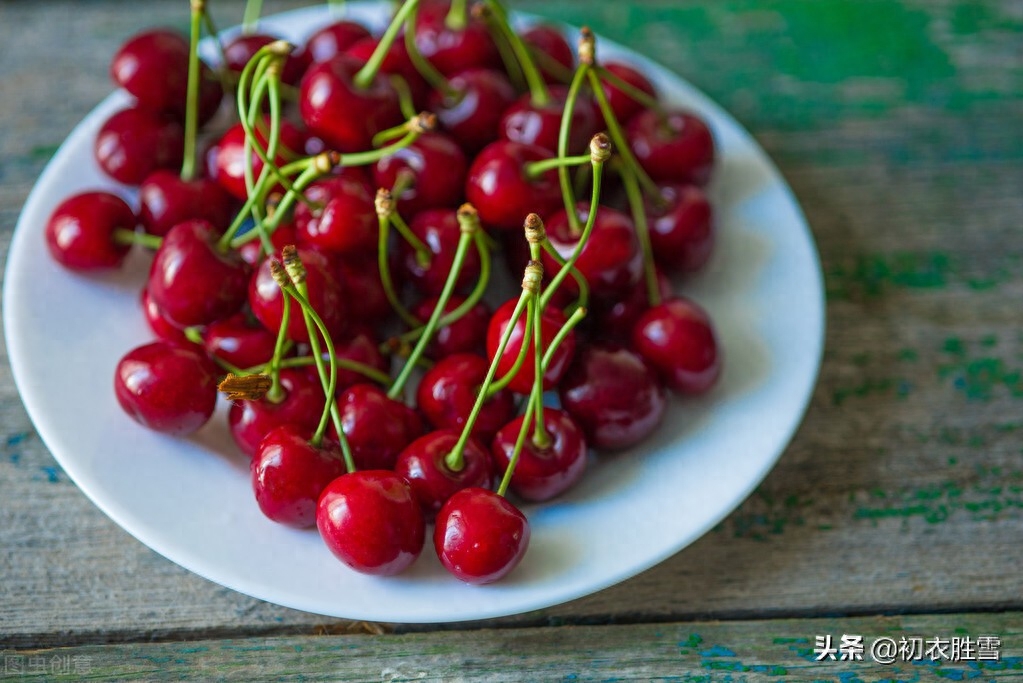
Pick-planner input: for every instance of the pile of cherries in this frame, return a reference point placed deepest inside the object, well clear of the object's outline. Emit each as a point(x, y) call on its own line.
point(324, 219)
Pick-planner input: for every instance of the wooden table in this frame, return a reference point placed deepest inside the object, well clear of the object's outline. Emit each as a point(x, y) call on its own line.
point(896, 512)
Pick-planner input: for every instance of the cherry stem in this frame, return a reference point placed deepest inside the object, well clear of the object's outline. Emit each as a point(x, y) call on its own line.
point(464, 239)
point(520, 360)
point(405, 101)
point(539, 95)
point(534, 169)
point(198, 9)
point(638, 210)
point(126, 236)
point(367, 371)
point(434, 78)
point(541, 437)
point(276, 392)
point(642, 97)
point(504, 49)
point(368, 72)
point(423, 256)
point(253, 8)
point(456, 19)
point(563, 133)
point(211, 30)
point(385, 211)
point(559, 71)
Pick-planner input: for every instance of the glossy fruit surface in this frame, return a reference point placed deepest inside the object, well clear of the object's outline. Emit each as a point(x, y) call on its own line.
point(610, 260)
point(80, 231)
point(677, 339)
point(423, 465)
point(448, 391)
point(497, 185)
point(437, 166)
point(378, 428)
point(166, 200)
point(681, 228)
point(542, 473)
point(479, 536)
point(134, 142)
point(439, 231)
point(339, 217)
point(678, 149)
point(300, 406)
point(552, 322)
point(324, 294)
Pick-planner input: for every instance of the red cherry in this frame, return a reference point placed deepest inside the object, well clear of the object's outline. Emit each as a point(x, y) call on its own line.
point(424, 467)
point(166, 387)
point(610, 260)
point(479, 536)
point(613, 396)
point(134, 142)
point(239, 340)
point(551, 323)
point(471, 118)
point(550, 41)
point(498, 187)
point(362, 348)
point(228, 157)
point(679, 149)
point(396, 63)
point(192, 281)
point(614, 319)
point(335, 38)
point(677, 339)
point(623, 106)
point(242, 48)
point(367, 299)
point(289, 474)
point(452, 50)
point(371, 521)
point(252, 251)
point(344, 115)
point(300, 407)
point(378, 428)
point(438, 229)
point(80, 231)
point(467, 334)
point(533, 124)
point(158, 323)
point(438, 168)
point(543, 473)
point(448, 391)
point(681, 229)
point(166, 200)
point(346, 220)
point(325, 296)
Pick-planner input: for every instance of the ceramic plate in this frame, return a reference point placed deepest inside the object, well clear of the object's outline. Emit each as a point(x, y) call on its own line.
point(190, 500)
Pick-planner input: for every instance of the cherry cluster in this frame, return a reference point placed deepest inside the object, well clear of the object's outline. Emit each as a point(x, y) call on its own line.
point(327, 243)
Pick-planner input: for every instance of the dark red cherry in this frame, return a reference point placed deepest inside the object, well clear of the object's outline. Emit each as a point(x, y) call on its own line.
point(438, 229)
point(448, 391)
point(396, 63)
point(80, 231)
point(614, 319)
point(134, 142)
point(452, 50)
point(438, 168)
point(497, 185)
point(372, 521)
point(228, 157)
point(677, 339)
point(678, 149)
point(467, 334)
point(551, 45)
point(542, 473)
point(334, 38)
point(166, 387)
point(252, 251)
point(166, 200)
point(610, 260)
point(153, 66)
point(539, 124)
point(378, 428)
point(552, 322)
point(682, 228)
point(289, 474)
point(192, 281)
point(623, 106)
point(300, 406)
point(613, 396)
point(325, 296)
point(243, 47)
point(479, 536)
point(472, 116)
point(367, 301)
point(344, 115)
point(344, 220)
point(164, 329)
point(239, 340)
point(424, 467)
point(362, 348)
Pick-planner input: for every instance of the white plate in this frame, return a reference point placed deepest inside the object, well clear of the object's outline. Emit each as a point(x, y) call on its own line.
point(190, 500)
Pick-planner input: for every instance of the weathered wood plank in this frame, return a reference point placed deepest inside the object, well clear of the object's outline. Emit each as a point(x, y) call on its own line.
point(699, 651)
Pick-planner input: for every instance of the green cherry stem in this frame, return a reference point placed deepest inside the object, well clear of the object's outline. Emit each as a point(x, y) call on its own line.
point(253, 8)
point(368, 72)
point(434, 78)
point(385, 211)
point(276, 392)
point(198, 9)
point(635, 196)
point(126, 236)
point(504, 48)
point(642, 97)
point(541, 437)
point(563, 133)
point(405, 101)
point(539, 95)
point(457, 18)
point(367, 371)
point(535, 169)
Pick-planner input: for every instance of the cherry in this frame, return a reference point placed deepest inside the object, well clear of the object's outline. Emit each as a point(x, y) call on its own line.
point(677, 149)
point(239, 340)
point(438, 229)
point(153, 66)
point(451, 50)
point(289, 474)
point(613, 396)
point(681, 229)
point(300, 406)
point(449, 389)
point(472, 116)
point(624, 106)
point(467, 334)
point(334, 38)
point(396, 63)
point(228, 157)
point(438, 168)
point(343, 114)
point(362, 348)
point(530, 123)
point(192, 281)
point(372, 521)
point(252, 251)
point(242, 48)
point(432, 479)
point(479, 536)
point(497, 185)
point(677, 339)
point(377, 427)
point(134, 142)
point(543, 472)
point(344, 221)
point(80, 232)
point(325, 295)
point(158, 323)
point(166, 200)
point(166, 387)
point(610, 259)
point(551, 323)
point(614, 319)
point(551, 43)
point(366, 298)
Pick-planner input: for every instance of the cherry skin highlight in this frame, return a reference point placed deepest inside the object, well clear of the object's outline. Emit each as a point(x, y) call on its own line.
point(479, 536)
point(80, 231)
